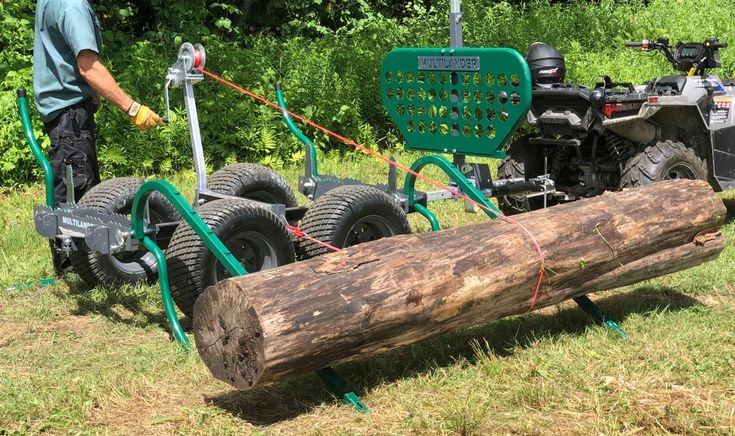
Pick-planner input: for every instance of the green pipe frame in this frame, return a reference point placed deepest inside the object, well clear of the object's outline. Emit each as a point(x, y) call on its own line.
point(467, 187)
point(311, 149)
point(201, 228)
point(333, 380)
point(48, 171)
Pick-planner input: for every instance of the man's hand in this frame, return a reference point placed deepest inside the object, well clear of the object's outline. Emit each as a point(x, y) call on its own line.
point(143, 117)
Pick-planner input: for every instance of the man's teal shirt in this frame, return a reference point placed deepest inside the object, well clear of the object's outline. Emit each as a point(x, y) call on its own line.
point(63, 29)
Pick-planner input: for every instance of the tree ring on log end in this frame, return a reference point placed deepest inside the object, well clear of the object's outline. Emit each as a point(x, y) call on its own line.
point(235, 336)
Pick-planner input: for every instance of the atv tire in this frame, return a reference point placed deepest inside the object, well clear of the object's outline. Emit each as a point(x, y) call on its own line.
point(350, 215)
point(115, 196)
point(254, 182)
point(525, 161)
point(255, 235)
point(664, 160)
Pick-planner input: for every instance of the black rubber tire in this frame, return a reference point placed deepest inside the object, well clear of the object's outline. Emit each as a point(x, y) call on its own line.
point(664, 160)
point(116, 196)
point(256, 182)
point(349, 215)
point(526, 161)
point(255, 235)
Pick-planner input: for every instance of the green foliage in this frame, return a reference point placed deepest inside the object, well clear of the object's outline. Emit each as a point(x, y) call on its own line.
point(327, 54)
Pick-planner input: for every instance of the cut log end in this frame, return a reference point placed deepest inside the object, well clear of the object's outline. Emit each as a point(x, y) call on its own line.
point(233, 345)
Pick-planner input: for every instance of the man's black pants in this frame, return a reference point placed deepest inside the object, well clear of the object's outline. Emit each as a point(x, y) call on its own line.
point(73, 142)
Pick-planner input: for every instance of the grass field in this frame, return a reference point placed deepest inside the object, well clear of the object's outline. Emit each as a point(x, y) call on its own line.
point(86, 361)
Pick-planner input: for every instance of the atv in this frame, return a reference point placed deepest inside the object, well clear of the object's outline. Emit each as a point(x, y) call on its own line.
point(616, 136)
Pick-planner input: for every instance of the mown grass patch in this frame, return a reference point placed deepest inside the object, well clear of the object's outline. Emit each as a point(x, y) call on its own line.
point(77, 360)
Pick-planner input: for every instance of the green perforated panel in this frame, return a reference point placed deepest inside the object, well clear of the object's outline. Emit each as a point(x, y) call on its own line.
point(464, 101)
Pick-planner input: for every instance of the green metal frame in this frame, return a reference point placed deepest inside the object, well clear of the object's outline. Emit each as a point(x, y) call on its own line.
point(465, 101)
point(311, 149)
point(48, 171)
point(337, 385)
point(200, 228)
point(467, 188)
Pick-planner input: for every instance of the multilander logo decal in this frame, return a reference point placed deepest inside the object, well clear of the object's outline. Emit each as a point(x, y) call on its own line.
point(75, 222)
point(449, 63)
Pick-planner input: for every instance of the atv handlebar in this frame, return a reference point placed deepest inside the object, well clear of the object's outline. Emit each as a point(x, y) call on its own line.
point(693, 57)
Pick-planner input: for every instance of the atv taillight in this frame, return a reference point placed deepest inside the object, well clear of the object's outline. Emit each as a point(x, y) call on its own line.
point(616, 110)
point(609, 109)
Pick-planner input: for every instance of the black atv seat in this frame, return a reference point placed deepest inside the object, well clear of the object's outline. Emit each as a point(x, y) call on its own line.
point(668, 85)
point(562, 92)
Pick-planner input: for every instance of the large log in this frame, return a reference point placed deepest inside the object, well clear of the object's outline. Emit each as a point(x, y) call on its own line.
point(364, 300)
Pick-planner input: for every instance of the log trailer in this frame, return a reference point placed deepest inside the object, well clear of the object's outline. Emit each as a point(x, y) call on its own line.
point(456, 100)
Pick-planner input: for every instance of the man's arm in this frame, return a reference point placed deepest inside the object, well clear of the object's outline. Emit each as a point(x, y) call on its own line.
point(100, 79)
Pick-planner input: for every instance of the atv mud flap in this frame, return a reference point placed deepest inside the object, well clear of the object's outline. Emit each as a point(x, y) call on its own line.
point(723, 156)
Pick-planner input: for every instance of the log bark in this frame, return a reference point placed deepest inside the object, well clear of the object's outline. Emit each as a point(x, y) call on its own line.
point(370, 298)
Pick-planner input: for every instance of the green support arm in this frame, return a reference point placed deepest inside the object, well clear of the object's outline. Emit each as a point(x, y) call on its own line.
point(311, 165)
point(469, 189)
point(197, 224)
point(334, 381)
point(48, 171)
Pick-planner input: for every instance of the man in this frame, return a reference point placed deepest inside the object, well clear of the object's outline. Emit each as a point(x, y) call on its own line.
point(67, 78)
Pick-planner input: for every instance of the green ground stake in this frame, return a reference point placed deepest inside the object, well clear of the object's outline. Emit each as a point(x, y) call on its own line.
point(189, 215)
point(32, 284)
point(48, 171)
point(429, 215)
point(598, 315)
point(339, 388)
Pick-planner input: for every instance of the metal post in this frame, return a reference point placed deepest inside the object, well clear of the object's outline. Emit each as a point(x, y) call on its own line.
point(196, 140)
point(69, 182)
point(455, 23)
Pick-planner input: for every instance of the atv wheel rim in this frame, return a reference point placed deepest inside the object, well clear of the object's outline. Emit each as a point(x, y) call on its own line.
point(680, 171)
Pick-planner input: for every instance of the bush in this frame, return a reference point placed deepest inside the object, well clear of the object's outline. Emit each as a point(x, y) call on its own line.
point(327, 57)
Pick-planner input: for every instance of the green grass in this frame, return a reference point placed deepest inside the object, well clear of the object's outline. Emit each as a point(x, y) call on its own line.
point(75, 360)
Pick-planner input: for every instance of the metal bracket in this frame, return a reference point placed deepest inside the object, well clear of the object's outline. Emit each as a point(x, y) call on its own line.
point(184, 73)
point(101, 232)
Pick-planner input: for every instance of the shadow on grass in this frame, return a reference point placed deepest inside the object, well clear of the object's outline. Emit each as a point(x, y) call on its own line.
point(299, 395)
point(106, 301)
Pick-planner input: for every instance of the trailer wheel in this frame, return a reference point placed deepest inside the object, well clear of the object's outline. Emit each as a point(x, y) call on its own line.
point(350, 215)
point(524, 161)
point(252, 181)
point(666, 160)
point(255, 235)
point(116, 196)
